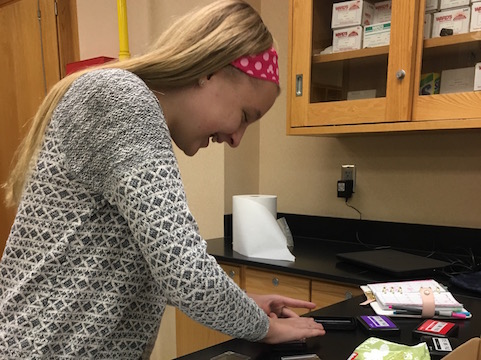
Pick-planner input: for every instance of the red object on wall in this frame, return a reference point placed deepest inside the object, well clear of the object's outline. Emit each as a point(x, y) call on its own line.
point(80, 65)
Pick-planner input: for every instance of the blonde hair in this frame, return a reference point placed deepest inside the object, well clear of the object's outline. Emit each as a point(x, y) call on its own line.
point(197, 44)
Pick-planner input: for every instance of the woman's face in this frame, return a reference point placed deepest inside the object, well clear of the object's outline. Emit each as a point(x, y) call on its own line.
point(219, 110)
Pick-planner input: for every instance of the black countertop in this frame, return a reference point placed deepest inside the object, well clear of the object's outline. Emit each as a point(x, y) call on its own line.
point(316, 258)
point(340, 344)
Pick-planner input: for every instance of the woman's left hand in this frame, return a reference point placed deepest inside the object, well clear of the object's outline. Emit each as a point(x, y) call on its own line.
point(279, 306)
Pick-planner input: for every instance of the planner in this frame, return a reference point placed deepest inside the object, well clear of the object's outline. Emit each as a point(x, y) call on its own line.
point(387, 298)
point(406, 293)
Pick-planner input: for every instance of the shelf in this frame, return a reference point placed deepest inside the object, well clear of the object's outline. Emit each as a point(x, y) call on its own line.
point(457, 43)
point(355, 54)
point(453, 40)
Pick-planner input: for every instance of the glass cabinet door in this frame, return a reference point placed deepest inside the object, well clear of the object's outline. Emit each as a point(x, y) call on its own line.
point(447, 63)
point(350, 75)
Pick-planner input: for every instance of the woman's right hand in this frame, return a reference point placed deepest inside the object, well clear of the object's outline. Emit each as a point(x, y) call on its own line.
point(292, 329)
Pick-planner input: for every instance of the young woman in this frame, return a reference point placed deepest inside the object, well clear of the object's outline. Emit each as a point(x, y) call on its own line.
point(103, 239)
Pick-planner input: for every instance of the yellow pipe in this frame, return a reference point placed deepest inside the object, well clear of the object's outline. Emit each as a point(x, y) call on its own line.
point(124, 52)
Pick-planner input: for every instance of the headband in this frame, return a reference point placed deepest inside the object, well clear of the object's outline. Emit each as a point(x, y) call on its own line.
point(261, 66)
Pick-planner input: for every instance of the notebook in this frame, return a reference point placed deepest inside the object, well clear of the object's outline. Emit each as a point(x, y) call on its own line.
point(394, 262)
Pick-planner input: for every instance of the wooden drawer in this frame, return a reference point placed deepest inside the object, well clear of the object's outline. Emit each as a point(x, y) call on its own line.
point(266, 282)
point(326, 293)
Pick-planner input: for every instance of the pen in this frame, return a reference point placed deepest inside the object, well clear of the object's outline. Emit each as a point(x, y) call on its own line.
point(446, 313)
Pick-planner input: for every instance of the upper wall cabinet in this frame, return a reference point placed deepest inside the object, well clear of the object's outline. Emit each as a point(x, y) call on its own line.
point(367, 79)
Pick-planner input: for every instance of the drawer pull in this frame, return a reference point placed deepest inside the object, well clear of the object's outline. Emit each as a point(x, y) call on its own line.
point(232, 273)
point(275, 281)
point(348, 295)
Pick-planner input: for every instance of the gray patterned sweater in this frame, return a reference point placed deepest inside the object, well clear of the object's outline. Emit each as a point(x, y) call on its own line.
point(104, 239)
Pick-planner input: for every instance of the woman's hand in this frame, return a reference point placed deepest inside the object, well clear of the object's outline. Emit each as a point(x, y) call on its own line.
point(285, 324)
point(278, 306)
point(291, 329)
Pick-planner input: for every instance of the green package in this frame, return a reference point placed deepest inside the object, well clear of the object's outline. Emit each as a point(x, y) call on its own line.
point(379, 349)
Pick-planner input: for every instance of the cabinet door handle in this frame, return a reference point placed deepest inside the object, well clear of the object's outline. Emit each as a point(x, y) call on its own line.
point(348, 295)
point(299, 85)
point(400, 74)
point(275, 281)
point(232, 273)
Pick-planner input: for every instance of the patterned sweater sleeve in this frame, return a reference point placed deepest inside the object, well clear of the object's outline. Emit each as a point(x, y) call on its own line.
point(115, 141)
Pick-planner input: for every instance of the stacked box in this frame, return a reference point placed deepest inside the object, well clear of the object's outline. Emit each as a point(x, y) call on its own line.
point(352, 13)
point(377, 35)
point(475, 17)
point(428, 25)
point(449, 4)
point(382, 11)
point(429, 84)
point(432, 5)
point(347, 39)
point(455, 19)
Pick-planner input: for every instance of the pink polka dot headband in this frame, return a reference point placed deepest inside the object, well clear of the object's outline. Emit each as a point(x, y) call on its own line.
point(262, 66)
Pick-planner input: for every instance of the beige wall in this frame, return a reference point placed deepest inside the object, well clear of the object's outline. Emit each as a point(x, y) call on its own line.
point(426, 178)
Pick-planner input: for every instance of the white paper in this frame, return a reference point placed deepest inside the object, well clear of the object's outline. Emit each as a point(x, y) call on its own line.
point(255, 231)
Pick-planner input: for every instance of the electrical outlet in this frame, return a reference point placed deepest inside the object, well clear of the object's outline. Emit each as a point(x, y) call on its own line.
point(348, 172)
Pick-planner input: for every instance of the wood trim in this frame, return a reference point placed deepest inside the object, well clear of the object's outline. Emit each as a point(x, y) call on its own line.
point(3, 2)
point(406, 126)
point(67, 33)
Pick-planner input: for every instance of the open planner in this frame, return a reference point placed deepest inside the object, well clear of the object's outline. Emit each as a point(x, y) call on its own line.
point(406, 298)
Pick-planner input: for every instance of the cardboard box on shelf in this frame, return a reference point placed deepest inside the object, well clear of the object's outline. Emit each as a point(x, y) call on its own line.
point(457, 80)
point(432, 5)
point(455, 19)
point(477, 77)
point(471, 350)
point(376, 35)
point(428, 25)
point(449, 4)
point(347, 39)
point(429, 84)
point(361, 94)
point(382, 11)
point(475, 24)
point(352, 13)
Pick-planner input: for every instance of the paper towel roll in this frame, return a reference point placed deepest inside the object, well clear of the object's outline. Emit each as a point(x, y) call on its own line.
point(255, 231)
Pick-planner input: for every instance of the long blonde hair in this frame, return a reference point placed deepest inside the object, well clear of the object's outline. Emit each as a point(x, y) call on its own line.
point(197, 44)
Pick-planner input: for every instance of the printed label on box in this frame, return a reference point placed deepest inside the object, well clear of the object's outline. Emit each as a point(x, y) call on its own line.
point(429, 84)
point(347, 39)
point(377, 35)
point(456, 19)
point(382, 11)
point(352, 13)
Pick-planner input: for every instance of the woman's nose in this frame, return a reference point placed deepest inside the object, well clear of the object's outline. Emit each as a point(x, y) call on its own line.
point(235, 138)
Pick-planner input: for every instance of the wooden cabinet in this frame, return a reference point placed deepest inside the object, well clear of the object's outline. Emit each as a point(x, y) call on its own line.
point(38, 39)
point(267, 282)
point(325, 293)
point(319, 85)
